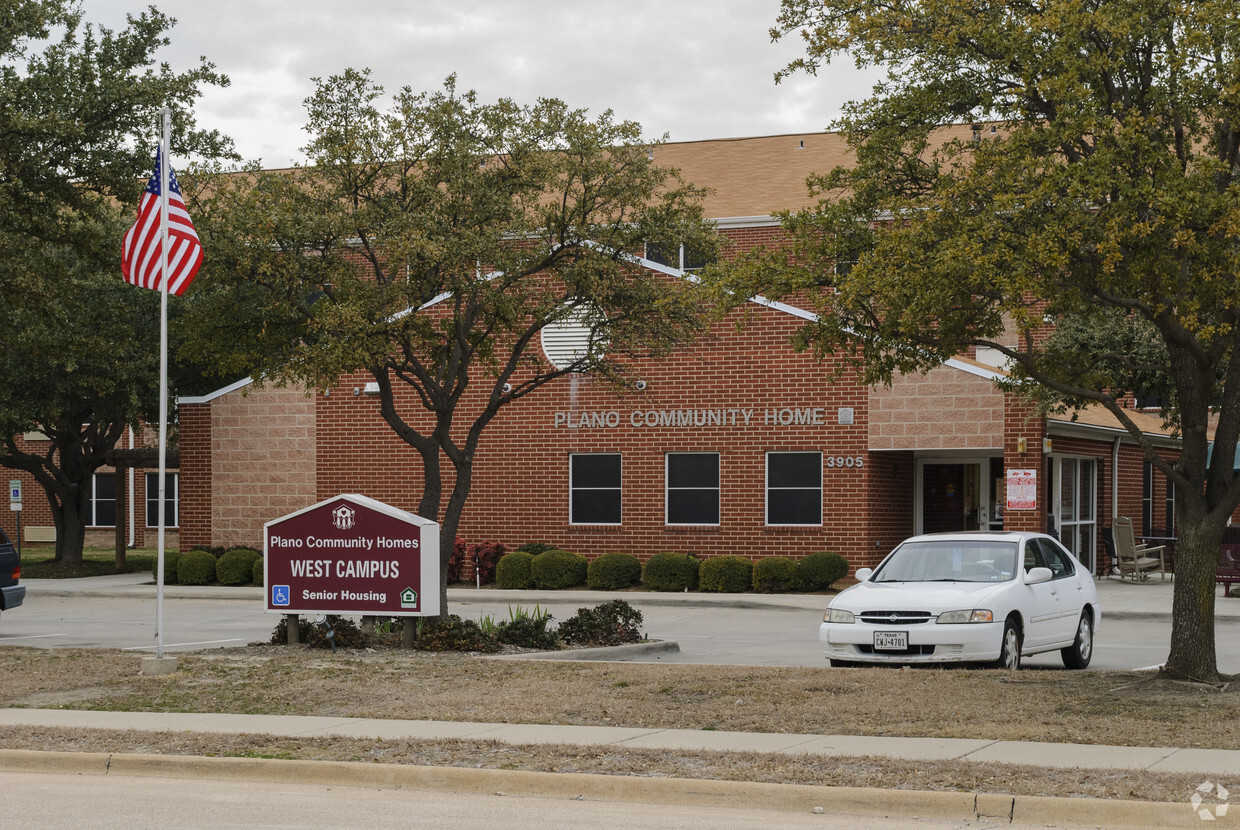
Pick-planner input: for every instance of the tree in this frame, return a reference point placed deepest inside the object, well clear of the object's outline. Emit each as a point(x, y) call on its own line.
point(1104, 199)
point(429, 244)
point(78, 355)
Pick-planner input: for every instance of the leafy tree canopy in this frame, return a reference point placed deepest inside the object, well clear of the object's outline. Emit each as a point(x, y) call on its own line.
point(78, 347)
point(429, 242)
point(1061, 162)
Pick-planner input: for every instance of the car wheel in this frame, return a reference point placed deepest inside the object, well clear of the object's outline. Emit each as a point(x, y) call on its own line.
point(1009, 651)
point(1078, 655)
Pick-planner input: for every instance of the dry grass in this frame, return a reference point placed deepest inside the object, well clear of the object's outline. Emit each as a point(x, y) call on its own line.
point(1076, 707)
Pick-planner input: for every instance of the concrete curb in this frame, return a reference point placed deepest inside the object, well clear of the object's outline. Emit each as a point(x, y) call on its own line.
point(602, 653)
point(796, 798)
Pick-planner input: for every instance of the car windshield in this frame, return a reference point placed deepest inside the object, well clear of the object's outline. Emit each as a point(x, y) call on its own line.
point(951, 560)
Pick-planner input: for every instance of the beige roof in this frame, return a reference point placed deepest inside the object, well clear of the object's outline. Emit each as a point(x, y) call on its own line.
point(758, 176)
point(1096, 415)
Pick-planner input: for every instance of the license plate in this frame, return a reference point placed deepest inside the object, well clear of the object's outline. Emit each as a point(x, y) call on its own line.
point(890, 640)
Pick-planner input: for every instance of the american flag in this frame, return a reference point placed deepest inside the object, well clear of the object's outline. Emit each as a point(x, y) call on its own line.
point(140, 250)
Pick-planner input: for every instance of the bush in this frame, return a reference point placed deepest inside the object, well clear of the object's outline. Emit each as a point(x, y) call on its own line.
point(344, 633)
point(613, 571)
point(196, 568)
point(236, 567)
point(256, 573)
point(465, 554)
point(671, 572)
point(610, 624)
point(535, 548)
point(528, 629)
point(170, 567)
point(513, 571)
point(558, 569)
point(453, 634)
point(817, 571)
point(726, 574)
point(774, 575)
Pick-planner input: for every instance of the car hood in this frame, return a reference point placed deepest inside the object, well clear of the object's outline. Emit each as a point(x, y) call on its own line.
point(916, 596)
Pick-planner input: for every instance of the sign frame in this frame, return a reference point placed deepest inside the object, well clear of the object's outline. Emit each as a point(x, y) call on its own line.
point(351, 555)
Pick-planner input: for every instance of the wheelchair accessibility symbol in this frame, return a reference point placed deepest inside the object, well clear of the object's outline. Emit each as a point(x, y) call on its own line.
point(280, 595)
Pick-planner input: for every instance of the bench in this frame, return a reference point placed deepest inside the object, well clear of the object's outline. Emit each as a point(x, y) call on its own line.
point(1228, 567)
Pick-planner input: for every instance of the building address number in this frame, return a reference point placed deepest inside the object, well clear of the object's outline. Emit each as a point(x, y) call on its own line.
point(845, 460)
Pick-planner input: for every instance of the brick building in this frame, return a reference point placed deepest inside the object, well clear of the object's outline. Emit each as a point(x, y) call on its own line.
point(738, 445)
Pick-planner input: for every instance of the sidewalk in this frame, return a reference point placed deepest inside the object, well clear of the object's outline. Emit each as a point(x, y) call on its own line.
point(1120, 599)
point(1000, 808)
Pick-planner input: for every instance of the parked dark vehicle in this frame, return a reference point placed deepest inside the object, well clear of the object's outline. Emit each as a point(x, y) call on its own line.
point(11, 594)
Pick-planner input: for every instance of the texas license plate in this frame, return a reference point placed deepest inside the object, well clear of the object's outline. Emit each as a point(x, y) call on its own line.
point(890, 640)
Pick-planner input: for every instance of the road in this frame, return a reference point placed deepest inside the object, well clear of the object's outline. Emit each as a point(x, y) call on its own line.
point(116, 802)
point(762, 636)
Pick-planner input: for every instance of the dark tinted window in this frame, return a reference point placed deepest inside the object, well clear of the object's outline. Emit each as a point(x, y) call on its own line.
point(594, 485)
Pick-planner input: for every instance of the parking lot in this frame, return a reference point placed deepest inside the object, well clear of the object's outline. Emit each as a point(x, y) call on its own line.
point(738, 629)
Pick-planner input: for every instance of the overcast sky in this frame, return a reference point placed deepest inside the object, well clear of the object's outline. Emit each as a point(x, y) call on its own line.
point(693, 69)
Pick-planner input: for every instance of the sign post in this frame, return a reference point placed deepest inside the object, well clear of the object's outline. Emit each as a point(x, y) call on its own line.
point(351, 555)
point(15, 504)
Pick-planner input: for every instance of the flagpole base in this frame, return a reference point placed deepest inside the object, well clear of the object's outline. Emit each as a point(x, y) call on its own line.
point(153, 666)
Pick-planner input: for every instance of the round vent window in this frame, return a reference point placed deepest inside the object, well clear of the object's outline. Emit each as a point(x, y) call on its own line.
point(568, 340)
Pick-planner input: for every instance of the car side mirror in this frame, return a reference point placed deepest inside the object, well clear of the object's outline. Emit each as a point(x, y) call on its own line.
point(863, 574)
point(1036, 576)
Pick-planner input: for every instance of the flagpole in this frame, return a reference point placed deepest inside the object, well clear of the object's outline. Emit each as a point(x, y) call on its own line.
point(165, 140)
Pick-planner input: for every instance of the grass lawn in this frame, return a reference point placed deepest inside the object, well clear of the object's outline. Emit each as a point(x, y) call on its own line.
point(38, 562)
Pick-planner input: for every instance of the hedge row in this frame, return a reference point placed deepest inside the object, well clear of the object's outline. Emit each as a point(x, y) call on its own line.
point(238, 565)
point(555, 569)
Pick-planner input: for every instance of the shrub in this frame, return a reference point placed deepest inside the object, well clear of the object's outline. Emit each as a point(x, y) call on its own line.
point(610, 624)
point(726, 574)
point(170, 567)
point(528, 629)
point(236, 567)
point(613, 571)
point(671, 572)
point(817, 571)
point(465, 554)
point(256, 573)
point(196, 568)
point(344, 633)
point(513, 571)
point(557, 569)
point(774, 574)
point(452, 634)
point(535, 548)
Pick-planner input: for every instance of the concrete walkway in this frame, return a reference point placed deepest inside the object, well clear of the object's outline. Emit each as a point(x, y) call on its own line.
point(1119, 599)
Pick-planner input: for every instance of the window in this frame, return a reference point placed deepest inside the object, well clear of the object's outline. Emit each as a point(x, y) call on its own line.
point(594, 489)
point(1078, 507)
point(676, 256)
point(101, 512)
point(1170, 506)
point(1147, 499)
point(1041, 553)
point(171, 482)
point(794, 488)
point(693, 488)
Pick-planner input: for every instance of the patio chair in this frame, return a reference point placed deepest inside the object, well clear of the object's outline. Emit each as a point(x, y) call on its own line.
point(1131, 559)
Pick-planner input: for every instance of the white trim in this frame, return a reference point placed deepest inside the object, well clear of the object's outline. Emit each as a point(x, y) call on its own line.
point(980, 371)
point(210, 396)
point(766, 221)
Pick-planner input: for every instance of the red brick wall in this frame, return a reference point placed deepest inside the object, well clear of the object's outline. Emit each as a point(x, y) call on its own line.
point(521, 489)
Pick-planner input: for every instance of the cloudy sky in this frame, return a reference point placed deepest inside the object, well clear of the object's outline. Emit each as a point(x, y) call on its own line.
point(693, 69)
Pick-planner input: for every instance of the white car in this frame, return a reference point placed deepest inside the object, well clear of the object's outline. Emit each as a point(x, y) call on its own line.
point(966, 597)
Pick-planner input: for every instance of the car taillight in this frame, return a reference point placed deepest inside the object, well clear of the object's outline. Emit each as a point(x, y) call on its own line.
point(17, 572)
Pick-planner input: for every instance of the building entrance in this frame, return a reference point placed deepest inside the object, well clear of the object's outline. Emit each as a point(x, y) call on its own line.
point(955, 494)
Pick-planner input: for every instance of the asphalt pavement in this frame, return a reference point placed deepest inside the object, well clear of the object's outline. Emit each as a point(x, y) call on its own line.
point(1120, 600)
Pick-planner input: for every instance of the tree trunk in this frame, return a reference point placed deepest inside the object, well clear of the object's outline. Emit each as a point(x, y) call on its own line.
point(1192, 609)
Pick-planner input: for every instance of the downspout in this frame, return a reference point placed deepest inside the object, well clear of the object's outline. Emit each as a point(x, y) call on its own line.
point(130, 506)
point(1115, 479)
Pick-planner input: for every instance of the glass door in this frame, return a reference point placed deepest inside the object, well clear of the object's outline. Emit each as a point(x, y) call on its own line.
point(1077, 505)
